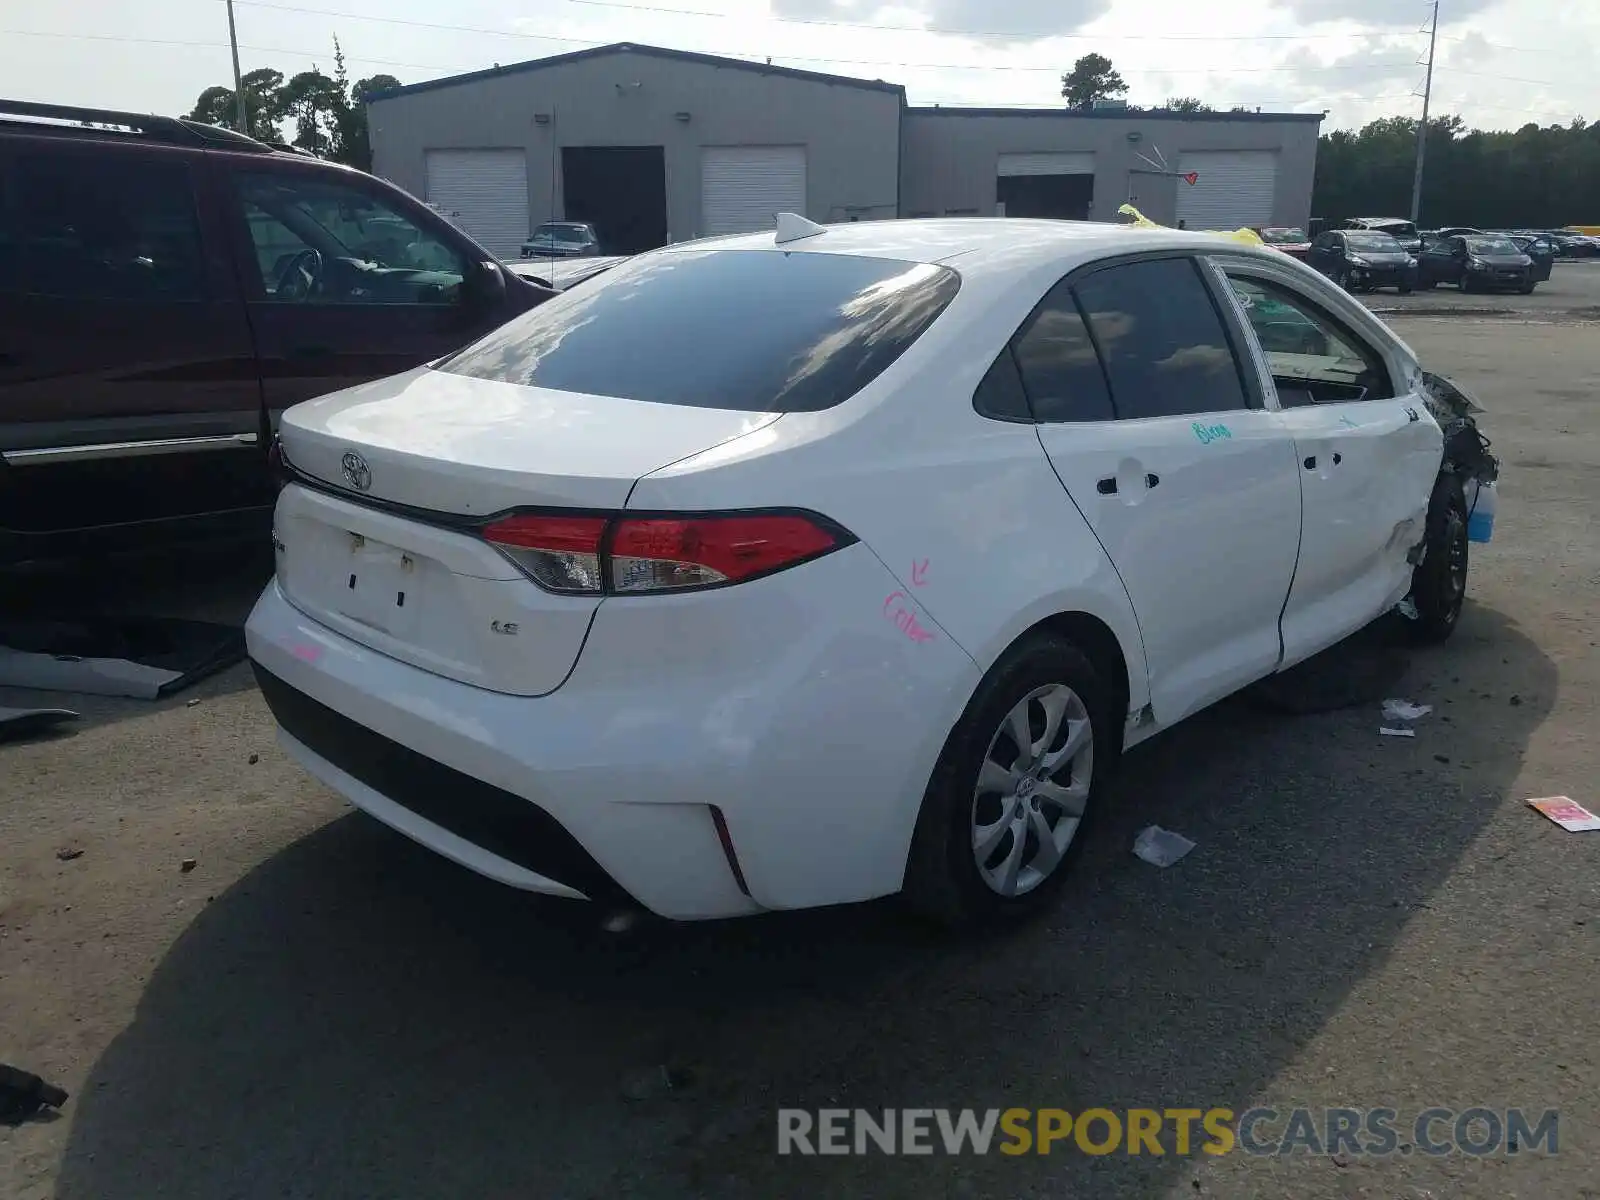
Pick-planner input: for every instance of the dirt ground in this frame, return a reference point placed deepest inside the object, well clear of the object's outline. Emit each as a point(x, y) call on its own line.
point(321, 1009)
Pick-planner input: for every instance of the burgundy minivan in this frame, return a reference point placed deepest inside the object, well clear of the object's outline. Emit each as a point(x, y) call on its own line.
point(166, 289)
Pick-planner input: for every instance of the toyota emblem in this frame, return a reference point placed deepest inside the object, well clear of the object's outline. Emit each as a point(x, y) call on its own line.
point(356, 472)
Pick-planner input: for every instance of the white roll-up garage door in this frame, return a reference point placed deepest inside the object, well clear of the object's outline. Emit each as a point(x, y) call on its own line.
point(1051, 163)
point(744, 188)
point(485, 192)
point(1235, 188)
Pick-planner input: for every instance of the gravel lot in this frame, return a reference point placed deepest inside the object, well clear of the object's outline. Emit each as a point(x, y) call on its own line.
point(321, 1009)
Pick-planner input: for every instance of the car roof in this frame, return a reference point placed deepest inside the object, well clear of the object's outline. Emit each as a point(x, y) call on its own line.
point(979, 243)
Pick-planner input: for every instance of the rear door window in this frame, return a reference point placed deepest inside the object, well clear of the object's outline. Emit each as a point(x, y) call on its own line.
point(749, 330)
point(103, 227)
point(1165, 348)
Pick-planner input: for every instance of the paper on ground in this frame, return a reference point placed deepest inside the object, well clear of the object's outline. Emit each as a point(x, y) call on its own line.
point(1404, 710)
point(1161, 847)
point(1387, 732)
point(1569, 814)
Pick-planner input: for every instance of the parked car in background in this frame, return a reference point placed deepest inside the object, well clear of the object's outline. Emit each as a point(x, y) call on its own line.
point(1477, 262)
point(562, 239)
point(660, 596)
point(1363, 260)
point(1573, 244)
point(1403, 231)
point(1287, 238)
point(1450, 231)
point(166, 289)
point(562, 274)
point(1540, 249)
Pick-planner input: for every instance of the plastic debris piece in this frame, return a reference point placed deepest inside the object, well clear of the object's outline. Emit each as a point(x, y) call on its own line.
point(1161, 847)
point(1407, 609)
point(1404, 710)
point(1387, 732)
point(1566, 812)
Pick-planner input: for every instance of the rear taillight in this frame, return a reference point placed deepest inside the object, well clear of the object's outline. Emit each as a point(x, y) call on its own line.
point(560, 554)
point(626, 555)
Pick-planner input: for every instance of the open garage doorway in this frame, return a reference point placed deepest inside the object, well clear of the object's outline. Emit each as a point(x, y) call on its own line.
point(1050, 184)
point(621, 191)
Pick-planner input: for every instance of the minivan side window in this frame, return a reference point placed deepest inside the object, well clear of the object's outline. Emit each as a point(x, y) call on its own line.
point(1165, 348)
point(102, 228)
point(1060, 369)
point(320, 241)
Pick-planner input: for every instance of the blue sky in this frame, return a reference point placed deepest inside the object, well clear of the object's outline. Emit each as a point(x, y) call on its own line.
point(1501, 64)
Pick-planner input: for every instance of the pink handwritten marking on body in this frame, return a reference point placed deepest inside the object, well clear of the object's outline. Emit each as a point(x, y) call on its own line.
point(306, 653)
point(903, 619)
point(919, 573)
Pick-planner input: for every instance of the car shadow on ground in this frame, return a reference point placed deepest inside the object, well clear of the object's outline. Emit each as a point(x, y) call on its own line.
point(359, 1018)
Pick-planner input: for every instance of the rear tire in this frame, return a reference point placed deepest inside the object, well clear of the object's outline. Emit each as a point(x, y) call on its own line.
point(978, 855)
point(1439, 583)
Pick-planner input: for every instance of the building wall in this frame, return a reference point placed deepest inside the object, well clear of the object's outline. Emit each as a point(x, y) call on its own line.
point(950, 159)
point(851, 134)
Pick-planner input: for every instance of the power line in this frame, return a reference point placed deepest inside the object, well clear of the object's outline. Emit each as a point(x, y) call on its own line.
point(312, 54)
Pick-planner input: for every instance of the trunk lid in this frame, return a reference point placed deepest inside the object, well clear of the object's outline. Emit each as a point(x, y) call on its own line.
point(469, 447)
point(426, 588)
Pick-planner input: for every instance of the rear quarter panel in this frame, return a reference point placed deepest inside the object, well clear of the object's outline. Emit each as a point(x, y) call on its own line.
point(963, 510)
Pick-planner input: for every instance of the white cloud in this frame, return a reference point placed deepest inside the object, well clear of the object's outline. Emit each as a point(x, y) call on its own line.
point(1502, 63)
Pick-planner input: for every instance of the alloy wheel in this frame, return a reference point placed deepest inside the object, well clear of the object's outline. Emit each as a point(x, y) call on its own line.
point(1033, 785)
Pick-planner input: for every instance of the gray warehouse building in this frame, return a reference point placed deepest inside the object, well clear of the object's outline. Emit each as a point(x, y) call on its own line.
point(655, 146)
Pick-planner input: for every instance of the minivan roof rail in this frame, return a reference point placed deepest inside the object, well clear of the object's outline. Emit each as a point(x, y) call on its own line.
point(176, 130)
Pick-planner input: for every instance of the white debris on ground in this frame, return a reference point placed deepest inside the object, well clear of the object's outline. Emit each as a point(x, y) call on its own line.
point(1404, 710)
point(1161, 847)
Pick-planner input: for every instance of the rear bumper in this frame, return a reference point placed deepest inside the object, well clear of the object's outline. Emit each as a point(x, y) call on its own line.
point(798, 710)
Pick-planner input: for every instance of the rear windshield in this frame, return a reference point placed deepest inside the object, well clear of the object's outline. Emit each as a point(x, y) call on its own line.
point(1283, 236)
point(750, 330)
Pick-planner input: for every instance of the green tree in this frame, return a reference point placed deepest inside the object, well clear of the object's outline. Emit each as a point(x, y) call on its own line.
point(329, 113)
point(263, 104)
point(1187, 104)
point(1092, 78)
point(1535, 176)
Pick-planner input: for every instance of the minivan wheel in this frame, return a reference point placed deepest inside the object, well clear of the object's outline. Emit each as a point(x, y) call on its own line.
point(1005, 812)
point(1439, 582)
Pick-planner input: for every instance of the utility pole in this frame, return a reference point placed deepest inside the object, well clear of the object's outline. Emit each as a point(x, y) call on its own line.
point(1422, 129)
point(238, 83)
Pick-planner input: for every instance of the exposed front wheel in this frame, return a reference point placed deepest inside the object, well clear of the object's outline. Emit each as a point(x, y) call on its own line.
point(1004, 813)
point(1527, 289)
point(1405, 289)
point(1439, 582)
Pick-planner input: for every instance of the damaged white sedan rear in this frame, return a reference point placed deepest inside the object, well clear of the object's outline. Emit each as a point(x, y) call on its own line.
point(773, 572)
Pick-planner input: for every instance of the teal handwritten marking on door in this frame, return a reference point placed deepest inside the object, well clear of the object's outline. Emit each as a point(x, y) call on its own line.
point(1210, 433)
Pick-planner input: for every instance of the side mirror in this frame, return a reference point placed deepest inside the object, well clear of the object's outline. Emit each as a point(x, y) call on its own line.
point(483, 288)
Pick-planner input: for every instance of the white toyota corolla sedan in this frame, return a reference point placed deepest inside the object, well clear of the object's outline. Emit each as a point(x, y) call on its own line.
point(802, 568)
